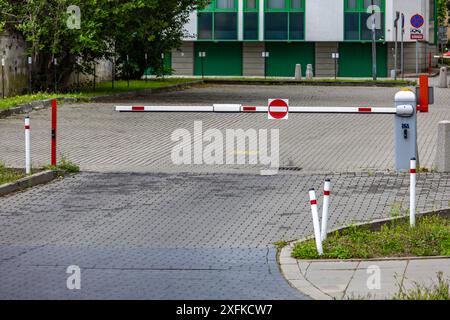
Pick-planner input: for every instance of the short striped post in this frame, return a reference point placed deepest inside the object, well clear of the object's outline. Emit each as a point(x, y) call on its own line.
point(326, 203)
point(316, 223)
point(412, 193)
point(27, 146)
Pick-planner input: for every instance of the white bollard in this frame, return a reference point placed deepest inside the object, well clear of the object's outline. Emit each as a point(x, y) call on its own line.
point(443, 78)
point(309, 72)
point(412, 193)
point(27, 146)
point(326, 204)
point(298, 72)
point(316, 223)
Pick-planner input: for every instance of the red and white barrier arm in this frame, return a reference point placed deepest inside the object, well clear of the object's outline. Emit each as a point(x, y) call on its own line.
point(236, 108)
point(165, 108)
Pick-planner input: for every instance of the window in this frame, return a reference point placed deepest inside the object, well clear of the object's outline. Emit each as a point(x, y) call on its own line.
point(284, 20)
point(218, 21)
point(251, 26)
point(276, 26)
point(358, 22)
point(251, 5)
point(225, 4)
point(276, 4)
point(205, 25)
point(225, 26)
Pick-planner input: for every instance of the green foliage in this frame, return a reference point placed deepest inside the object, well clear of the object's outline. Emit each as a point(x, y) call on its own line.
point(281, 244)
point(103, 88)
point(430, 237)
point(439, 291)
point(9, 175)
point(442, 12)
point(110, 29)
point(64, 165)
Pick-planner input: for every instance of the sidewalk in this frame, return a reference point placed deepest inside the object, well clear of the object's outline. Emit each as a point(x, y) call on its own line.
point(341, 280)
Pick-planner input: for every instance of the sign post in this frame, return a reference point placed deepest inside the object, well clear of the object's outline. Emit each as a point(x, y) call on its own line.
point(265, 55)
point(335, 57)
point(3, 78)
point(402, 53)
point(202, 55)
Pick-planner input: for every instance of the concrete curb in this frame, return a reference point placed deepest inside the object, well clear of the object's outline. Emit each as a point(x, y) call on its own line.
point(30, 181)
point(291, 268)
point(42, 104)
point(309, 83)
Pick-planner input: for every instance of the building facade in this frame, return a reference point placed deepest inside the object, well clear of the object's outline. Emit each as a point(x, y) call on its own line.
point(233, 34)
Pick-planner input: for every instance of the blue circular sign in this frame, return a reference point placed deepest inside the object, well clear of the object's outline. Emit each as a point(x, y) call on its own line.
point(417, 21)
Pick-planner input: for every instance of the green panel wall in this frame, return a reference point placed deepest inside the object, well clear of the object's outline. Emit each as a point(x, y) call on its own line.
point(222, 59)
point(283, 57)
point(356, 59)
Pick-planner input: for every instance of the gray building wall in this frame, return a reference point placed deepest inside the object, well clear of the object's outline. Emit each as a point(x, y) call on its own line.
point(324, 60)
point(424, 49)
point(183, 59)
point(253, 62)
point(12, 49)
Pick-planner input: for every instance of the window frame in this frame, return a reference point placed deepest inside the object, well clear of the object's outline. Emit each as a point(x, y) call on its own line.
point(360, 9)
point(287, 9)
point(247, 10)
point(213, 10)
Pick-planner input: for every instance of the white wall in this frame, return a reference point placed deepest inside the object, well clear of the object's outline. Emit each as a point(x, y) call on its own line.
point(190, 28)
point(324, 20)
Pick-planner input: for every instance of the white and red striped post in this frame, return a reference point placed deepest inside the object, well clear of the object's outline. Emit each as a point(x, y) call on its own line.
point(27, 146)
point(316, 223)
point(412, 193)
point(326, 203)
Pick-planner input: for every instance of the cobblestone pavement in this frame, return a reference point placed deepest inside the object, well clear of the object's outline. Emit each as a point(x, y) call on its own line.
point(141, 227)
point(100, 139)
point(179, 236)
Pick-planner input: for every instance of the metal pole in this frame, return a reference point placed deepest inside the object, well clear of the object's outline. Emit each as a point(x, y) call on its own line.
point(53, 133)
point(316, 223)
point(326, 203)
point(55, 63)
point(412, 193)
point(402, 57)
point(335, 67)
point(146, 67)
point(128, 71)
point(27, 146)
point(3, 78)
point(94, 75)
point(30, 62)
point(203, 74)
point(374, 44)
point(417, 57)
point(396, 44)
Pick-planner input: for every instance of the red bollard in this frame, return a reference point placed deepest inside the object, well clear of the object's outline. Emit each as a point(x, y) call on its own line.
point(54, 122)
point(423, 101)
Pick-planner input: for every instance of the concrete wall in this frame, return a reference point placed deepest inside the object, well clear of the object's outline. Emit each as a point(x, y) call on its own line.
point(253, 64)
point(12, 48)
point(324, 20)
point(409, 8)
point(410, 56)
point(183, 59)
point(190, 28)
point(324, 60)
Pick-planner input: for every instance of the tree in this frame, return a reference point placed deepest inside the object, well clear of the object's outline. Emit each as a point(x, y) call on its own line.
point(109, 28)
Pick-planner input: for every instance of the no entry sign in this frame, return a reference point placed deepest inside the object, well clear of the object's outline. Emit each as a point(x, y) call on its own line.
point(278, 109)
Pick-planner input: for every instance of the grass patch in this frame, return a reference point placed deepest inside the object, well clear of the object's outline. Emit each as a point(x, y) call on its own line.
point(102, 88)
point(430, 237)
point(9, 175)
point(439, 291)
point(64, 165)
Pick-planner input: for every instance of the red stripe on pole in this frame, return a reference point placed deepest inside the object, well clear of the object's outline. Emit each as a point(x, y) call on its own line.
point(364, 109)
point(27, 127)
point(326, 193)
point(249, 108)
point(54, 122)
point(138, 108)
point(313, 202)
point(413, 171)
